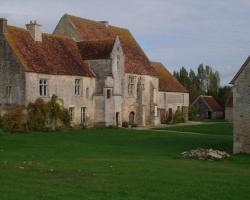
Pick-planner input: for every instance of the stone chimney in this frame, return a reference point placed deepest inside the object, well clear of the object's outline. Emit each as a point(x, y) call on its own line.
point(3, 26)
point(35, 30)
point(106, 23)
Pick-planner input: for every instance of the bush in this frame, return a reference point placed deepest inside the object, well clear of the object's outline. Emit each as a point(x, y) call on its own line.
point(38, 115)
point(112, 126)
point(125, 124)
point(15, 121)
point(192, 113)
point(179, 117)
point(65, 117)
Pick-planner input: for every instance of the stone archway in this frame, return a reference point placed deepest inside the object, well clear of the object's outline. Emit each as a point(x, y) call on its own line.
point(131, 118)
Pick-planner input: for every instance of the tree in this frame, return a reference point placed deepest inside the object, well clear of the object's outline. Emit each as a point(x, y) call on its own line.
point(206, 81)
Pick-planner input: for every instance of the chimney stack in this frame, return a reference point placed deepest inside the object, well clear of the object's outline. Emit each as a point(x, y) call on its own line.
point(3, 26)
point(106, 23)
point(35, 30)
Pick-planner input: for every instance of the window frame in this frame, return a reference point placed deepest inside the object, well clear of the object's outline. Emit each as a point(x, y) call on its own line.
point(84, 115)
point(72, 113)
point(43, 88)
point(131, 85)
point(77, 87)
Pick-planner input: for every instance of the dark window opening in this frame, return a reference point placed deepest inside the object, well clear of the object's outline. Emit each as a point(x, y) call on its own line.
point(108, 94)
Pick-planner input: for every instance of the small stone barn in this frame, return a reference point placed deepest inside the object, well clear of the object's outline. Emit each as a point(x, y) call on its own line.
point(208, 107)
point(229, 108)
point(241, 108)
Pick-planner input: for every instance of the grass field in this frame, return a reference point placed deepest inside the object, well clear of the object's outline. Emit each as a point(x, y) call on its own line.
point(116, 164)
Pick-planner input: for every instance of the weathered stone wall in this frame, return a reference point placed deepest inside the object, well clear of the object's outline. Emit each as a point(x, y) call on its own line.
point(65, 27)
point(109, 77)
point(64, 87)
point(145, 109)
point(241, 110)
point(174, 100)
point(12, 78)
point(229, 114)
point(202, 109)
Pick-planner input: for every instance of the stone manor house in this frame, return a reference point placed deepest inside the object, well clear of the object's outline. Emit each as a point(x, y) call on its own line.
point(98, 71)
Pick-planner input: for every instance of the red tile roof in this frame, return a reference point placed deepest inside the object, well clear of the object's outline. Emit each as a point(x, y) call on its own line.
point(212, 103)
point(96, 49)
point(167, 82)
point(55, 55)
point(136, 61)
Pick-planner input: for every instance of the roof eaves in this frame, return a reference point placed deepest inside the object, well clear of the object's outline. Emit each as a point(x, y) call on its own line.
point(240, 71)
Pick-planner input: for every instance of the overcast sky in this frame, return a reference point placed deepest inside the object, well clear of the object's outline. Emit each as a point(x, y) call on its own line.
point(174, 32)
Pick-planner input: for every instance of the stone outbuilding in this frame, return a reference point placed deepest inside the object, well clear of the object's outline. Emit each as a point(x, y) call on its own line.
point(208, 107)
point(229, 108)
point(172, 95)
point(241, 109)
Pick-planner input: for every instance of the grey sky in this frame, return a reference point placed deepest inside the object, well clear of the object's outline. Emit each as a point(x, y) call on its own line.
point(175, 32)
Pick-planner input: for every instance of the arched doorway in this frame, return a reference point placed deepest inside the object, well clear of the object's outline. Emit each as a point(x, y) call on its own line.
point(131, 118)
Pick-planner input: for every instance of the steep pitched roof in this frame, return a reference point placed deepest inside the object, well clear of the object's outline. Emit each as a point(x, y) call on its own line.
point(167, 82)
point(211, 102)
point(96, 49)
point(241, 70)
point(229, 101)
point(55, 55)
point(136, 61)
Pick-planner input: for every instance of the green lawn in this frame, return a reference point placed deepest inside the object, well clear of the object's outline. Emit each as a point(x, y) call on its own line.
point(209, 128)
point(116, 164)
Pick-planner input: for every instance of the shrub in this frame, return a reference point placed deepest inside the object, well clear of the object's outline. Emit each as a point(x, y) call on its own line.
point(179, 117)
point(125, 124)
point(192, 113)
point(15, 121)
point(38, 115)
point(112, 126)
point(65, 117)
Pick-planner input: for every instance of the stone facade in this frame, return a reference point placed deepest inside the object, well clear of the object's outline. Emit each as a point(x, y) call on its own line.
point(170, 102)
point(241, 109)
point(110, 96)
point(63, 87)
point(12, 76)
point(229, 114)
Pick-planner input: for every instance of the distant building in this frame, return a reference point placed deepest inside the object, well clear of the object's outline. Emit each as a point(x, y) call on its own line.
point(208, 107)
point(241, 109)
point(229, 108)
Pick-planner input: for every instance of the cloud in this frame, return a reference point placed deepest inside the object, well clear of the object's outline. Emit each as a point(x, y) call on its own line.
point(176, 32)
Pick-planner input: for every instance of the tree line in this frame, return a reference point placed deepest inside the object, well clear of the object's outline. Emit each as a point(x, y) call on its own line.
point(203, 81)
